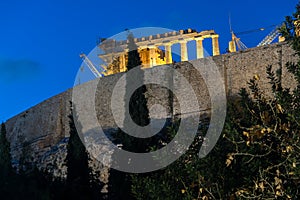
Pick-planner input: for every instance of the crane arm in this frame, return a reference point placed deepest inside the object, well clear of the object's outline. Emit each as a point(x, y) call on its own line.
point(238, 42)
point(270, 37)
point(87, 61)
point(250, 31)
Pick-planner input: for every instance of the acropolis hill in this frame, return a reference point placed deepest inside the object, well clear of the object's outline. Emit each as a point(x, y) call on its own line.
point(43, 130)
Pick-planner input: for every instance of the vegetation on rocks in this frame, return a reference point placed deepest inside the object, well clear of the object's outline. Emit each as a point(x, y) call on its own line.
point(256, 157)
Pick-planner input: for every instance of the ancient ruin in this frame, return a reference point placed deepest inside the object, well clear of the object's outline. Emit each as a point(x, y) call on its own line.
point(115, 52)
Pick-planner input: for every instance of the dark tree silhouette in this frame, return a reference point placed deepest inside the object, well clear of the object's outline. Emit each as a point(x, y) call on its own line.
point(120, 183)
point(138, 109)
point(5, 157)
point(78, 171)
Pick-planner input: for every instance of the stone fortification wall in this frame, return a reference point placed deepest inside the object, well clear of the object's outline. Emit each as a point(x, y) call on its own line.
point(40, 134)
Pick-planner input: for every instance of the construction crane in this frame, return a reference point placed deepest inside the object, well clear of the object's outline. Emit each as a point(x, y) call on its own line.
point(271, 36)
point(91, 66)
point(236, 41)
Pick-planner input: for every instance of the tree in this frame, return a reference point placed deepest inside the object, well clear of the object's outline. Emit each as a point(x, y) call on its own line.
point(78, 171)
point(138, 104)
point(139, 113)
point(258, 153)
point(134, 59)
point(5, 163)
point(5, 157)
point(138, 109)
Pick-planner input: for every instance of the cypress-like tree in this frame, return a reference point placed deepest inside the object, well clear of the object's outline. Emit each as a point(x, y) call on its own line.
point(134, 59)
point(120, 183)
point(29, 185)
point(78, 171)
point(138, 104)
point(138, 109)
point(5, 157)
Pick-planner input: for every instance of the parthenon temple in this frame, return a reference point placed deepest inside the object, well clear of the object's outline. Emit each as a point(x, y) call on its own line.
point(115, 52)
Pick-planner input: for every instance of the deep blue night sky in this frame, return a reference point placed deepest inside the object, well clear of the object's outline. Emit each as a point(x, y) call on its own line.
point(40, 41)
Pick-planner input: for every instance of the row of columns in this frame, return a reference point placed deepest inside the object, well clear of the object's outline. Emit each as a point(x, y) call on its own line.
point(183, 51)
point(199, 48)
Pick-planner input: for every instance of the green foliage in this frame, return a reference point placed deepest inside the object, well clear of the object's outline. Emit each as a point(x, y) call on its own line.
point(177, 181)
point(77, 158)
point(257, 155)
point(80, 183)
point(120, 182)
point(289, 29)
point(138, 109)
point(266, 149)
point(32, 184)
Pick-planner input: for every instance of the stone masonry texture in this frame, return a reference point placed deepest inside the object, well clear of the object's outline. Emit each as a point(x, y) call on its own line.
point(40, 134)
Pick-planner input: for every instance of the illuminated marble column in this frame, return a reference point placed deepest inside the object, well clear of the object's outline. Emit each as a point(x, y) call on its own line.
point(215, 44)
point(152, 55)
point(199, 46)
point(168, 51)
point(183, 50)
point(122, 62)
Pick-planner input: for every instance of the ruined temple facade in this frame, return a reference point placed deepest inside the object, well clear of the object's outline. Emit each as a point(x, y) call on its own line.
point(115, 52)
